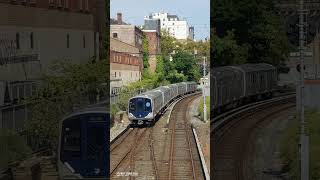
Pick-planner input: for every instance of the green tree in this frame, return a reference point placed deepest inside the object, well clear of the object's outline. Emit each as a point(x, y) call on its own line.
point(145, 53)
point(185, 63)
point(226, 51)
point(70, 86)
point(256, 28)
point(168, 43)
point(13, 147)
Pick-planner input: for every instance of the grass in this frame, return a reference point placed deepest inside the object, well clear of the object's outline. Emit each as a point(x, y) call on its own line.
point(12, 148)
point(200, 107)
point(290, 144)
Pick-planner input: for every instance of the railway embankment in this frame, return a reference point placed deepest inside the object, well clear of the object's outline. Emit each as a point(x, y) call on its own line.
point(263, 154)
point(120, 124)
point(202, 128)
point(290, 144)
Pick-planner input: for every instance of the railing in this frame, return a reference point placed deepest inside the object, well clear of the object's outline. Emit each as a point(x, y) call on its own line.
point(19, 59)
point(312, 71)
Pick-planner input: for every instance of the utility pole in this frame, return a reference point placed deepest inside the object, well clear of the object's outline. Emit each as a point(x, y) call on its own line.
point(304, 139)
point(203, 90)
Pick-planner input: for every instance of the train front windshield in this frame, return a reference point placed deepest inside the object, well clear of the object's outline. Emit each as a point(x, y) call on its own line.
point(84, 145)
point(140, 106)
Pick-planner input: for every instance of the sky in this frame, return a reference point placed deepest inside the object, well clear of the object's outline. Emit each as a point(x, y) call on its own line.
point(196, 12)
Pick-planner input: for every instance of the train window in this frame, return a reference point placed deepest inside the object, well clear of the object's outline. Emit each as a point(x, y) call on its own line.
point(71, 140)
point(140, 104)
point(132, 106)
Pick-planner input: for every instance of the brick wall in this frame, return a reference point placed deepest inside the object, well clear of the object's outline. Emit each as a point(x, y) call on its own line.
point(154, 42)
point(154, 49)
point(117, 45)
point(129, 34)
point(123, 58)
point(37, 17)
point(83, 6)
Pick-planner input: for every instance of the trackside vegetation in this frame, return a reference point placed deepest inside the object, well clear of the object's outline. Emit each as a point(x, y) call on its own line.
point(200, 108)
point(290, 144)
point(176, 63)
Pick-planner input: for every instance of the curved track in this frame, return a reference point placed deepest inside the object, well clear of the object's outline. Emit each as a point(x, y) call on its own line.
point(230, 133)
point(152, 153)
point(184, 161)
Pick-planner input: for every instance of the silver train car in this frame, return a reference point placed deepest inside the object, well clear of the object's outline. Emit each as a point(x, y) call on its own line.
point(145, 107)
point(235, 85)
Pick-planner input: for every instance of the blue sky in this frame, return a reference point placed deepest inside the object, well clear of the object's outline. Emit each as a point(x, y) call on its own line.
point(197, 12)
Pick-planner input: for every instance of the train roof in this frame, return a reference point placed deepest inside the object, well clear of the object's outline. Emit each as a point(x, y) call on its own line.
point(256, 67)
point(162, 88)
point(90, 109)
point(151, 93)
point(225, 71)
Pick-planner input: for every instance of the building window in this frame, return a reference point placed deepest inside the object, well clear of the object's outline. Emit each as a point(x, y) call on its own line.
point(51, 2)
point(59, 3)
point(84, 41)
point(68, 41)
point(18, 40)
point(115, 35)
point(87, 5)
point(80, 5)
point(115, 74)
point(66, 4)
point(31, 40)
point(119, 74)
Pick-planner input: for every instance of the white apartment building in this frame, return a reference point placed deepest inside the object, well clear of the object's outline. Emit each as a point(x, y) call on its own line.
point(172, 24)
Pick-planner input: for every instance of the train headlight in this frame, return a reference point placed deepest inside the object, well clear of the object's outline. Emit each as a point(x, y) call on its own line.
point(131, 115)
point(150, 115)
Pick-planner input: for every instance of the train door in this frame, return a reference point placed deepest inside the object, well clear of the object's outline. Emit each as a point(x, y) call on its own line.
point(94, 160)
point(84, 145)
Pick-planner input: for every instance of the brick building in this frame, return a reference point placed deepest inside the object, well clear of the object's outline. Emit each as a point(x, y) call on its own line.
point(153, 34)
point(34, 34)
point(125, 64)
point(127, 33)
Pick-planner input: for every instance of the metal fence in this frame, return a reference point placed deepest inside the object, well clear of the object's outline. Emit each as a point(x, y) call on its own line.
point(312, 71)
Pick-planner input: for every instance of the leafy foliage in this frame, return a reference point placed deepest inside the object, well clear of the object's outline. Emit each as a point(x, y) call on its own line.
point(145, 47)
point(200, 108)
point(70, 86)
point(290, 145)
point(253, 30)
point(12, 147)
point(185, 63)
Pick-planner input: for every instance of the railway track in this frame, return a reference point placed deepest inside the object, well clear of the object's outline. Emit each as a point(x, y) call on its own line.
point(230, 133)
point(122, 152)
point(184, 160)
point(150, 153)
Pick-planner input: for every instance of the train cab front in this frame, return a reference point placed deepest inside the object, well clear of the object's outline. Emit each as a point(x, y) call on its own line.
point(140, 110)
point(83, 147)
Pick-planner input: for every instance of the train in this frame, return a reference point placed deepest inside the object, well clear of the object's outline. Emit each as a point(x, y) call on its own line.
point(83, 151)
point(236, 85)
point(146, 107)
